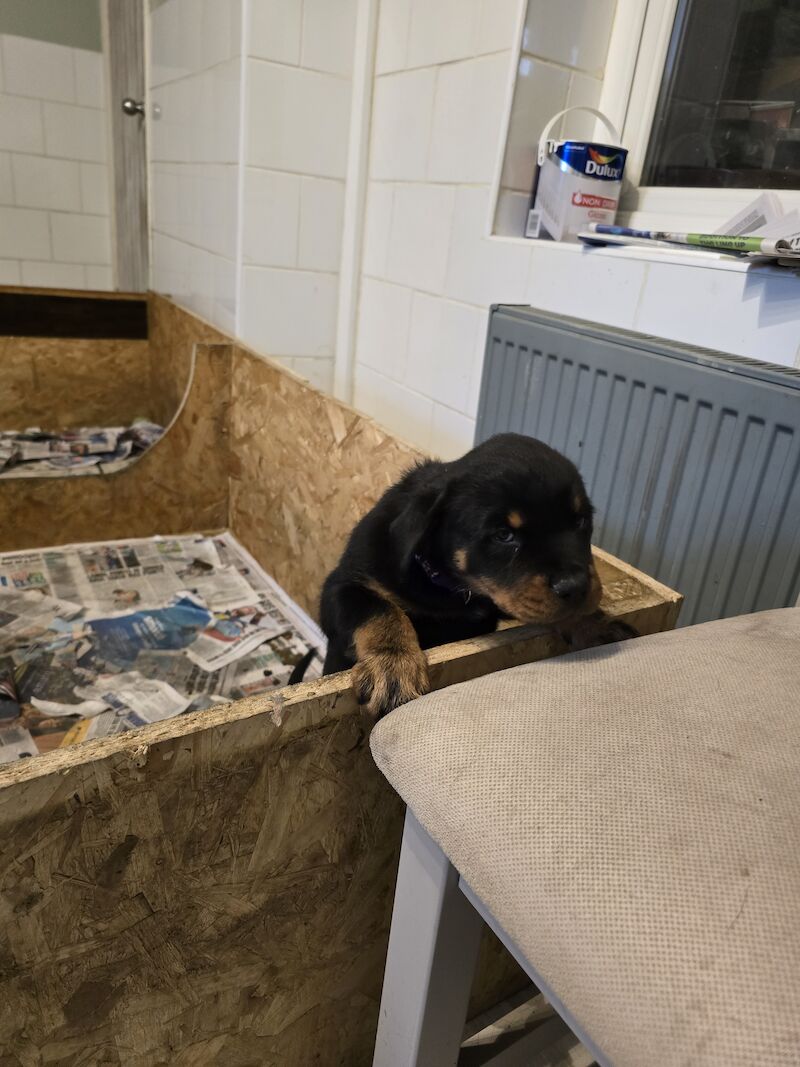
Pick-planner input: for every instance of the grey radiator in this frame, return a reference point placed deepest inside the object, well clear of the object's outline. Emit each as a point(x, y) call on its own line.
point(691, 457)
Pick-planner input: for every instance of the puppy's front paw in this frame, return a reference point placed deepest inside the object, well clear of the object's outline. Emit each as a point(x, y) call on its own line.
point(382, 681)
point(592, 631)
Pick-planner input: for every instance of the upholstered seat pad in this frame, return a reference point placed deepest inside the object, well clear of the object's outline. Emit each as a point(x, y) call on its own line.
point(631, 817)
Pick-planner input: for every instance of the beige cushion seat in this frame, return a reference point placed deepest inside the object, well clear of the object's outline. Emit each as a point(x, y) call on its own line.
point(630, 816)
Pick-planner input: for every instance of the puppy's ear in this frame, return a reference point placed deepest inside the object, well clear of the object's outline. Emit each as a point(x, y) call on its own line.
point(414, 528)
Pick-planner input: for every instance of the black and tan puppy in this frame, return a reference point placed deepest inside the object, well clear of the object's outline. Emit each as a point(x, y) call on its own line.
point(452, 548)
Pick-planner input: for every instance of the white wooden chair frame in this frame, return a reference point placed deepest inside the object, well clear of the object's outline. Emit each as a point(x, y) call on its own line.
point(433, 948)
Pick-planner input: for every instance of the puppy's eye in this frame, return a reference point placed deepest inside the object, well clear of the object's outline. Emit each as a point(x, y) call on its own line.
point(505, 536)
point(581, 522)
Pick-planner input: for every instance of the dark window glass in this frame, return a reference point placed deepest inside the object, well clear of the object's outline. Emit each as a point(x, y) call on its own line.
point(728, 114)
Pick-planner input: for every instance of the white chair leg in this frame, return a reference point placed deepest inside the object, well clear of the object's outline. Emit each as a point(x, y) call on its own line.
point(433, 948)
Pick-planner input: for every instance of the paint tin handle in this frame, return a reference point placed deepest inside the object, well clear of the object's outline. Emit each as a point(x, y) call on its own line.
point(544, 140)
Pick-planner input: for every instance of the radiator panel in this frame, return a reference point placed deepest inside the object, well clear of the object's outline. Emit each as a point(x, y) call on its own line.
point(691, 457)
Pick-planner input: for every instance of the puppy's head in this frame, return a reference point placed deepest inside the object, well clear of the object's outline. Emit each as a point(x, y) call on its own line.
point(511, 521)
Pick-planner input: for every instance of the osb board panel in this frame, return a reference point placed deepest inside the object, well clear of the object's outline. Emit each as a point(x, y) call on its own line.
point(304, 469)
point(63, 382)
point(173, 332)
point(215, 889)
point(180, 485)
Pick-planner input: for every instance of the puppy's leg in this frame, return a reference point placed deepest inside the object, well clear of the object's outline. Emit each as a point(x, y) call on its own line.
point(390, 667)
point(596, 629)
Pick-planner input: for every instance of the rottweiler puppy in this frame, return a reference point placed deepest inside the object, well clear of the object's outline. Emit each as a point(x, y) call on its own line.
point(502, 533)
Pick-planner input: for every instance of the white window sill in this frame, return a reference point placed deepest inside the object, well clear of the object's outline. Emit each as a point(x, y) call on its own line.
point(678, 256)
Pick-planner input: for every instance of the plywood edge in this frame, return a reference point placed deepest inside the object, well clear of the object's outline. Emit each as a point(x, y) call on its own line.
point(295, 709)
point(663, 592)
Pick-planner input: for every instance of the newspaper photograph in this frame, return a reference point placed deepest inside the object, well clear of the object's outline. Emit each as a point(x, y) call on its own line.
point(97, 639)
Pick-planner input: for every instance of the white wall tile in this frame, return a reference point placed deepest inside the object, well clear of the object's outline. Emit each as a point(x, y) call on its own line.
point(469, 99)
point(38, 69)
point(511, 213)
point(99, 278)
point(276, 30)
point(541, 90)
point(54, 275)
point(26, 232)
point(585, 91)
point(483, 270)
point(321, 217)
point(297, 120)
point(90, 82)
point(754, 315)
point(289, 313)
point(573, 32)
point(329, 28)
point(80, 238)
point(442, 31)
point(73, 132)
point(221, 37)
point(199, 117)
point(402, 114)
point(224, 305)
point(10, 272)
point(571, 281)
point(497, 25)
point(399, 410)
point(174, 41)
point(47, 183)
point(6, 180)
point(420, 236)
point(377, 229)
point(384, 318)
point(394, 17)
point(319, 372)
point(21, 124)
point(443, 341)
point(271, 207)
point(452, 434)
point(95, 189)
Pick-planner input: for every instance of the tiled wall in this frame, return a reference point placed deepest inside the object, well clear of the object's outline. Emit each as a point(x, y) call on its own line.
point(54, 175)
point(248, 156)
point(248, 172)
point(298, 81)
point(195, 78)
point(562, 64)
point(429, 271)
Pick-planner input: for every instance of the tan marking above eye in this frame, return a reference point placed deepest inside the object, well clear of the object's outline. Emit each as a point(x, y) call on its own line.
point(577, 503)
point(514, 520)
point(460, 559)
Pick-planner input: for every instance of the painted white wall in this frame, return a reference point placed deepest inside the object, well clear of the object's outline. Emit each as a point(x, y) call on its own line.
point(252, 142)
point(54, 175)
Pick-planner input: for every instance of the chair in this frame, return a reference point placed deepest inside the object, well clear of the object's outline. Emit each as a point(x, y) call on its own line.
point(627, 820)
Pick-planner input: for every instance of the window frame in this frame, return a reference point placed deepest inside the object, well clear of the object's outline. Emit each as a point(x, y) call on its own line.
point(637, 56)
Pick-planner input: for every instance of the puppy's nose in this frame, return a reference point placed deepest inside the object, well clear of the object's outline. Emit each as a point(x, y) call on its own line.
point(571, 588)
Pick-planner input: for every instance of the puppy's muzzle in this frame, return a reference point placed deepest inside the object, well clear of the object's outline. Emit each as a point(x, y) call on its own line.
point(571, 589)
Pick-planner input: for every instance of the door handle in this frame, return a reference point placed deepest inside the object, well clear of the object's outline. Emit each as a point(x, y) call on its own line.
point(133, 107)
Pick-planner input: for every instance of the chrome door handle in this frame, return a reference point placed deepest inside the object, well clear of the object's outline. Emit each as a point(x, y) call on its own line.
point(133, 107)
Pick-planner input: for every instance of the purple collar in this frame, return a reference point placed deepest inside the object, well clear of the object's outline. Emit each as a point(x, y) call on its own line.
point(443, 581)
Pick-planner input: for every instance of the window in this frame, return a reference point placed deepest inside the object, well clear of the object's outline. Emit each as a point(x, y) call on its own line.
point(728, 110)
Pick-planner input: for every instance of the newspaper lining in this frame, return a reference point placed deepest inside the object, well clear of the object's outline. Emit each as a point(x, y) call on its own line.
point(88, 450)
point(99, 638)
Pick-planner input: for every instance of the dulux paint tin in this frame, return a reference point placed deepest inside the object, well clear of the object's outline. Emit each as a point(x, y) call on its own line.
point(577, 182)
